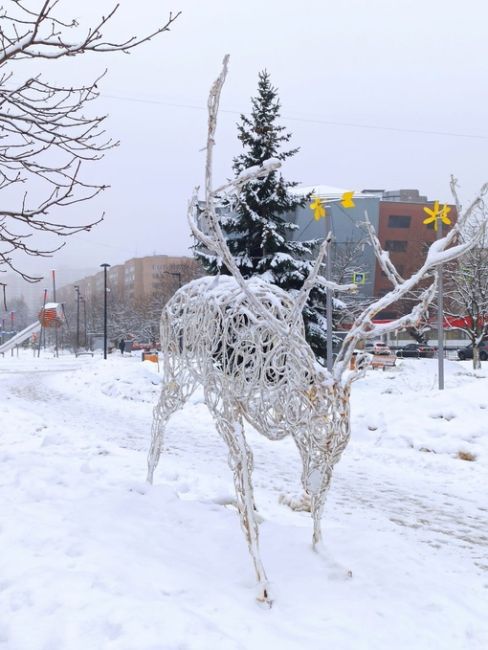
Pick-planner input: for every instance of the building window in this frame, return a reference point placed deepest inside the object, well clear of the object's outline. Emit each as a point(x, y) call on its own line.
point(396, 245)
point(399, 221)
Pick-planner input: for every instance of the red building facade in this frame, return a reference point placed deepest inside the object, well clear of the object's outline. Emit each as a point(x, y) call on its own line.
point(403, 234)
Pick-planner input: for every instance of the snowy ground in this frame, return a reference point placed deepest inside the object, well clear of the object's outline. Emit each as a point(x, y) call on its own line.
point(91, 558)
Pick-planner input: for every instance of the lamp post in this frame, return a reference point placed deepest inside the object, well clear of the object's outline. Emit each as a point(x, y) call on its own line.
point(12, 317)
point(328, 299)
point(77, 289)
point(43, 323)
point(319, 207)
point(105, 266)
point(4, 287)
point(440, 318)
point(83, 302)
point(56, 350)
point(438, 216)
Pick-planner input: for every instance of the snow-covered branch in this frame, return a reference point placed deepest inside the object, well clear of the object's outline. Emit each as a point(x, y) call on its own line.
point(41, 34)
point(215, 241)
point(249, 174)
point(440, 252)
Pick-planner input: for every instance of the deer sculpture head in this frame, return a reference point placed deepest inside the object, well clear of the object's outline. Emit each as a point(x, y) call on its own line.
point(243, 341)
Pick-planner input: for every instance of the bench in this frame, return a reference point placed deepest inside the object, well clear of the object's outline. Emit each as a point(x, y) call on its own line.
point(383, 361)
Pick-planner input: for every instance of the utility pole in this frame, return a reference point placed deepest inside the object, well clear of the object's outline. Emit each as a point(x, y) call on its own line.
point(440, 316)
point(328, 297)
point(77, 289)
point(12, 318)
point(438, 216)
point(43, 323)
point(56, 352)
point(105, 266)
point(83, 302)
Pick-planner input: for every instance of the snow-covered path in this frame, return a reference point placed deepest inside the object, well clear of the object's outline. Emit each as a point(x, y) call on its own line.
point(90, 557)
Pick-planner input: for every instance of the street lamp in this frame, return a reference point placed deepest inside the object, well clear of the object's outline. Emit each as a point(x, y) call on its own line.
point(77, 289)
point(438, 216)
point(105, 266)
point(83, 302)
point(319, 212)
point(43, 324)
point(56, 350)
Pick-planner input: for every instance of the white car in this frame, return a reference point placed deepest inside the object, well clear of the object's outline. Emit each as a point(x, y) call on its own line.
point(377, 347)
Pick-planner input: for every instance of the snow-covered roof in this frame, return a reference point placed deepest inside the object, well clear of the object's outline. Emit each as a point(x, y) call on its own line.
point(326, 191)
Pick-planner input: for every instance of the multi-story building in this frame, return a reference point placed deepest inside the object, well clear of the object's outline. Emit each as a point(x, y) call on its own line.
point(136, 279)
point(349, 252)
point(403, 234)
point(397, 217)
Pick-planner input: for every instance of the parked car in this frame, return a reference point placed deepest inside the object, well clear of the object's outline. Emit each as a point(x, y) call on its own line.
point(467, 352)
point(376, 347)
point(416, 350)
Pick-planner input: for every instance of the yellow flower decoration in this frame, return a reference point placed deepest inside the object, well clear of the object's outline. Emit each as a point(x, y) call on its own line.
point(318, 208)
point(347, 201)
point(437, 213)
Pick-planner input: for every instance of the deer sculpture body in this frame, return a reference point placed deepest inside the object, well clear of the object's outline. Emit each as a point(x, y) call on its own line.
point(243, 341)
point(250, 371)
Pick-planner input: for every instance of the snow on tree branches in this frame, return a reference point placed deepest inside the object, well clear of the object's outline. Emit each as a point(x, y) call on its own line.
point(255, 218)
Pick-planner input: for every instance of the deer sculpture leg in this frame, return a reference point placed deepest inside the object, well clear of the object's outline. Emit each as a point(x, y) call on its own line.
point(230, 426)
point(317, 503)
point(173, 396)
point(316, 475)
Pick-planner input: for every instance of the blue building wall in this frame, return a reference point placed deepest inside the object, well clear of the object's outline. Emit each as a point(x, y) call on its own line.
point(347, 233)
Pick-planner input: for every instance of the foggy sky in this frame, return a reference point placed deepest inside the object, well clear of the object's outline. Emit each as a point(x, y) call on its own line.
point(377, 94)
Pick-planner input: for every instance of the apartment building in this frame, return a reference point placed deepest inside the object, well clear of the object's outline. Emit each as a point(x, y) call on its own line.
point(136, 279)
point(403, 234)
point(397, 217)
point(349, 253)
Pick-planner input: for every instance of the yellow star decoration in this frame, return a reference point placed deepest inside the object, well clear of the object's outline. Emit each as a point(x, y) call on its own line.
point(437, 213)
point(318, 208)
point(347, 201)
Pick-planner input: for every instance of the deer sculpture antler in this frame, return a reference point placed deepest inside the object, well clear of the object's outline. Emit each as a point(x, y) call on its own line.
point(217, 242)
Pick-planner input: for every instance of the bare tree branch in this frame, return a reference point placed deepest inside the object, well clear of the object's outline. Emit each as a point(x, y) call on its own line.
point(45, 131)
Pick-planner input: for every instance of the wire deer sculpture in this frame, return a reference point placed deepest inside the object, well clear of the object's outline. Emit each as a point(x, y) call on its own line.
point(243, 341)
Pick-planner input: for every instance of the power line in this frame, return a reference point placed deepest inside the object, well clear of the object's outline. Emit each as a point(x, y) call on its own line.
point(309, 120)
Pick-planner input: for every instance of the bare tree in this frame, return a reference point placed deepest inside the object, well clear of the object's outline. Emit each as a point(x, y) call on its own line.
point(46, 133)
point(346, 262)
point(467, 290)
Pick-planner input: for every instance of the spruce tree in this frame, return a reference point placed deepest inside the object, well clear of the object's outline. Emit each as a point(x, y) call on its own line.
point(256, 223)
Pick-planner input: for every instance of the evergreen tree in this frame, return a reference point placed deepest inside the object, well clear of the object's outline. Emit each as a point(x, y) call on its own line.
point(256, 222)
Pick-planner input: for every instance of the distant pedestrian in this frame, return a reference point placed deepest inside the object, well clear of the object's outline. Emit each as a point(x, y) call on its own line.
point(122, 346)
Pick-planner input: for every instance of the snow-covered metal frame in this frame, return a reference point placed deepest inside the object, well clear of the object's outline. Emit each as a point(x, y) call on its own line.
point(244, 342)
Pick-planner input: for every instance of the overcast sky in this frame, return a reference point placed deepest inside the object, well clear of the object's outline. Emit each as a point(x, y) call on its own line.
point(377, 93)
